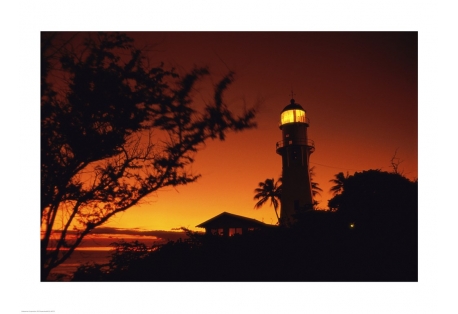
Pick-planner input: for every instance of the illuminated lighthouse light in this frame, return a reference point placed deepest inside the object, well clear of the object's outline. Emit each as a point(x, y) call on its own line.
point(292, 116)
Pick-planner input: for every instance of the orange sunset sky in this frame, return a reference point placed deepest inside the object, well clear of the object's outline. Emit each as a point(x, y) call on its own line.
point(359, 89)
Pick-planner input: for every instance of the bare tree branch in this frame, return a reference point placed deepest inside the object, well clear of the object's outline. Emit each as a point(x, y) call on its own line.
point(395, 162)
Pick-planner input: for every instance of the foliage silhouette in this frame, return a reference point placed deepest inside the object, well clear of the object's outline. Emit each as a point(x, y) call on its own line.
point(339, 180)
point(373, 195)
point(315, 185)
point(384, 207)
point(372, 237)
point(269, 190)
point(113, 130)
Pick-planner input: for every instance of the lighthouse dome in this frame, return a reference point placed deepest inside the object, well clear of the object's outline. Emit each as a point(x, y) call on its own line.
point(293, 113)
point(292, 106)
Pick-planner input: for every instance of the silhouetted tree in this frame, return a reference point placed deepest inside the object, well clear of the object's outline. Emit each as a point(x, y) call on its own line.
point(339, 181)
point(113, 130)
point(395, 162)
point(382, 207)
point(315, 186)
point(268, 190)
point(374, 197)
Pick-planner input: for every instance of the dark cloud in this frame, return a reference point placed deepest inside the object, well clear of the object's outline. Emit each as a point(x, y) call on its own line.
point(108, 235)
point(160, 234)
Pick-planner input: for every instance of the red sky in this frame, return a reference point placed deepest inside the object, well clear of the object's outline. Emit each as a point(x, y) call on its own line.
point(359, 89)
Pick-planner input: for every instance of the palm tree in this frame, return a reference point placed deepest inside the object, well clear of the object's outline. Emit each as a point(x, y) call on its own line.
point(268, 190)
point(339, 181)
point(315, 188)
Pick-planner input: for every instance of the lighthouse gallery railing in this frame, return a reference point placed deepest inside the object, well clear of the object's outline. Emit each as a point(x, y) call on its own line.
point(309, 143)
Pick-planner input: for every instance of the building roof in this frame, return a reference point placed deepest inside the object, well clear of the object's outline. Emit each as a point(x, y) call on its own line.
point(229, 220)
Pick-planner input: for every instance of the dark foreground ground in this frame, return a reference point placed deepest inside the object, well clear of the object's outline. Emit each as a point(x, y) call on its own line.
point(324, 247)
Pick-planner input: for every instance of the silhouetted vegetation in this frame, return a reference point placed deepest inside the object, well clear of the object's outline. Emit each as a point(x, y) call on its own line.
point(339, 180)
point(371, 237)
point(101, 100)
point(269, 190)
point(315, 185)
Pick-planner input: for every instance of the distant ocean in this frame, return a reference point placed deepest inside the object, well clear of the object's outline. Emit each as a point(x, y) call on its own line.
point(78, 258)
point(102, 254)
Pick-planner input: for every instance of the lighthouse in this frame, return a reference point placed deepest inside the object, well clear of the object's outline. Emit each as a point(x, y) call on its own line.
point(295, 149)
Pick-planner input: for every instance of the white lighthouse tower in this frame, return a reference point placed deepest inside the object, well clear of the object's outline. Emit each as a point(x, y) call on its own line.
point(295, 149)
